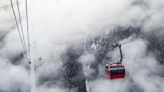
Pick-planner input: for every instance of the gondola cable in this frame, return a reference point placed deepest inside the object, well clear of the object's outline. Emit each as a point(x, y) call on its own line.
point(17, 26)
point(28, 34)
point(32, 70)
point(23, 42)
point(27, 26)
point(21, 26)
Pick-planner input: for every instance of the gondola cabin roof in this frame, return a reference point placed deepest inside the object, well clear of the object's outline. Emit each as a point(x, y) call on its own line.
point(114, 65)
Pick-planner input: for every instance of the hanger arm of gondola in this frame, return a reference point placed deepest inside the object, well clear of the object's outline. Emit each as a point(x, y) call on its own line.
point(120, 50)
point(121, 55)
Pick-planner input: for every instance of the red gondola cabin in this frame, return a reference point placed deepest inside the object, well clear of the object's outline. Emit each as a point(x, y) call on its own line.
point(115, 71)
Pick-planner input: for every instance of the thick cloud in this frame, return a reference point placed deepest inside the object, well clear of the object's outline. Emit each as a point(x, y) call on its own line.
point(58, 31)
